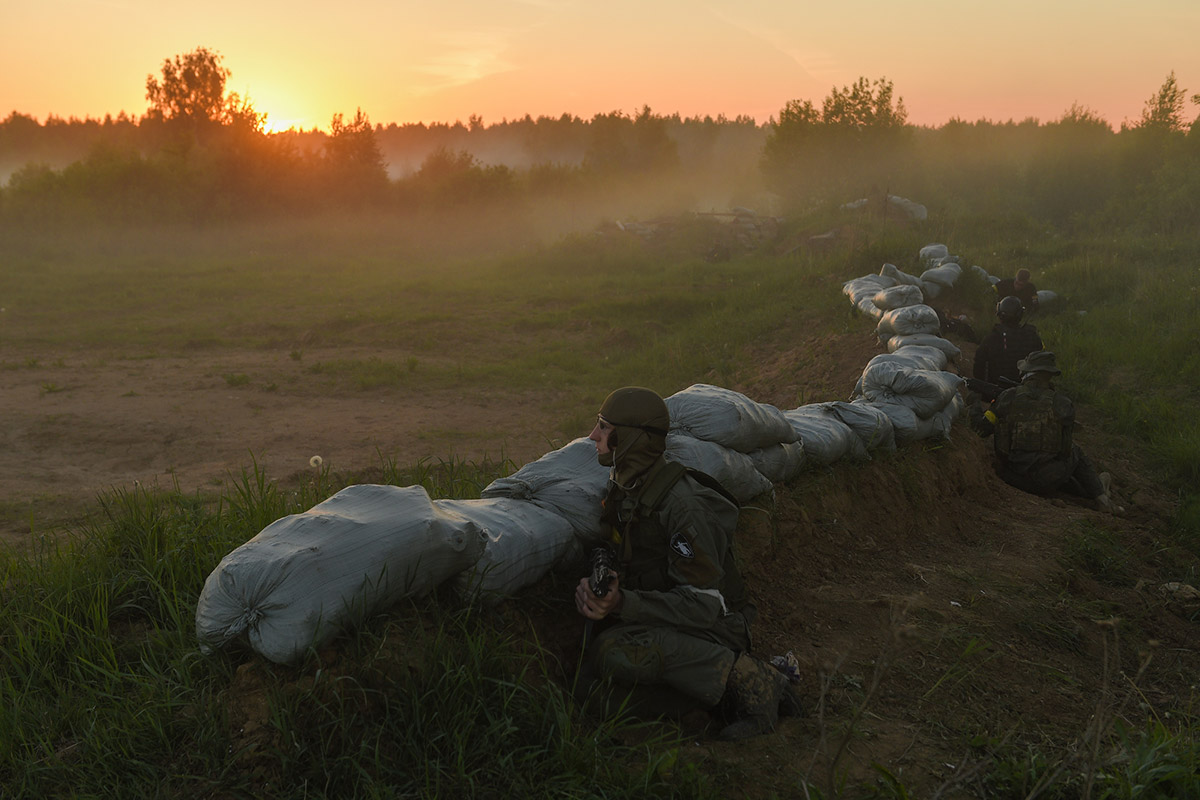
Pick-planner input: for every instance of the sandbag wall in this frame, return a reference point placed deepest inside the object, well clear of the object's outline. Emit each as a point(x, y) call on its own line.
point(307, 576)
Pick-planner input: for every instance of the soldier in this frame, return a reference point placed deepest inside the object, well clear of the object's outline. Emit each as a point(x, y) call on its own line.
point(1020, 287)
point(1008, 342)
point(675, 618)
point(1033, 425)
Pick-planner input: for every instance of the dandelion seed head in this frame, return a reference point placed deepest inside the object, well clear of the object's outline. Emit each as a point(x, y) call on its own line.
point(315, 461)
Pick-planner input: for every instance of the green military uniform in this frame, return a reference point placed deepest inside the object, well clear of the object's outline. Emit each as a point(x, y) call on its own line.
point(681, 626)
point(684, 612)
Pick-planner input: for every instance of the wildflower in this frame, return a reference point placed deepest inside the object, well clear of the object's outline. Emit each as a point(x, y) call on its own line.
point(315, 462)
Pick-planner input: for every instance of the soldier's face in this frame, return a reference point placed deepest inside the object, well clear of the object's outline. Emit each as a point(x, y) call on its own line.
point(600, 435)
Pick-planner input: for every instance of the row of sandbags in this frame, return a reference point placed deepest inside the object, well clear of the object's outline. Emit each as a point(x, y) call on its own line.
point(892, 288)
point(307, 576)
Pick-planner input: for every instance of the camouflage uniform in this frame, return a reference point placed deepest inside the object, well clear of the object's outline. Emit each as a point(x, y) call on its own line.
point(1033, 437)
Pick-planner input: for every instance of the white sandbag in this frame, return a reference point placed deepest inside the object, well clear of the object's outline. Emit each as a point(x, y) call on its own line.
point(983, 274)
point(911, 208)
point(946, 275)
point(915, 356)
point(926, 392)
point(873, 427)
point(900, 276)
point(862, 293)
point(933, 252)
point(779, 462)
point(907, 321)
point(306, 576)
point(866, 286)
point(733, 470)
point(899, 342)
point(910, 428)
point(826, 438)
point(568, 481)
point(523, 543)
point(898, 297)
point(1046, 297)
point(728, 418)
point(931, 290)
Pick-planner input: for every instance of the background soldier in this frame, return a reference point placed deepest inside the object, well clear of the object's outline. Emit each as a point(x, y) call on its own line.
point(1033, 425)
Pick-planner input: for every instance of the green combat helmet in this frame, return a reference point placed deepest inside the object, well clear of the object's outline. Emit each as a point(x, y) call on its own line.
point(641, 420)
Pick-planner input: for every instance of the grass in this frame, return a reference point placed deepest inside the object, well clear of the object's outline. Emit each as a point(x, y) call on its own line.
point(104, 686)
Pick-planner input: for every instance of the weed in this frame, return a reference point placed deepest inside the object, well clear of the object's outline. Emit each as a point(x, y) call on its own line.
point(237, 379)
point(1099, 552)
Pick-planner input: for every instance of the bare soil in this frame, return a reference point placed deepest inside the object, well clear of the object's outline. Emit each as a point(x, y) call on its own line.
point(929, 604)
point(79, 424)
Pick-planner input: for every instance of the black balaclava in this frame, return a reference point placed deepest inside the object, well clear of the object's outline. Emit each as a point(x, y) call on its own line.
point(641, 421)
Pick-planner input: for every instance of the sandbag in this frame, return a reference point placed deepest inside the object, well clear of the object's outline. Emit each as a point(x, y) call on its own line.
point(926, 392)
point(899, 342)
point(945, 275)
point(933, 252)
point(867, 286)
point(728, 418)
point(915, 356)
point(1046, 297)
point(306, 576)
point(733, 470)
point(826, 438)
point(523, 542)
point(872, 426)
point(909, 427)
point(568, 481)
point(862, 292)
point(898, 297)
point(907, 321)
point(779, 462)
point(900, 276)
point(983, 274)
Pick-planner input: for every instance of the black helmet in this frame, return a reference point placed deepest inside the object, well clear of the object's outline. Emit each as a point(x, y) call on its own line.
point(1009, 309)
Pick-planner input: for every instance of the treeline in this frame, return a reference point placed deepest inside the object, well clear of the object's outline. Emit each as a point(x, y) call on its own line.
point(201, 154)
point(145, 168)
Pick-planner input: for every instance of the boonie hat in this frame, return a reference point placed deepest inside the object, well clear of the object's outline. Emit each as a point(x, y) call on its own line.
point(1039, 361)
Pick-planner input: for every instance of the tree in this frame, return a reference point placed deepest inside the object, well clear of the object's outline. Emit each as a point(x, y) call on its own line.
point(853, 142)
point(353, 156)
point(1164, 109)
point(192, 89)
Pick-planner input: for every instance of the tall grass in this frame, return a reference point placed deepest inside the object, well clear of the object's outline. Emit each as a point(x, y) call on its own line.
point(104, 686)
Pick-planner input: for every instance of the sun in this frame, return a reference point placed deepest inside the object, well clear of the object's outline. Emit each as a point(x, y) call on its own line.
point(280, 125)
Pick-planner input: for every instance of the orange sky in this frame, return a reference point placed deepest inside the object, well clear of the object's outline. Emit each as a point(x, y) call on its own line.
point(405, 61)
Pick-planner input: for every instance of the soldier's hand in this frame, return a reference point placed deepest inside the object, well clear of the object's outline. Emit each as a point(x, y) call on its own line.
point(598, 608)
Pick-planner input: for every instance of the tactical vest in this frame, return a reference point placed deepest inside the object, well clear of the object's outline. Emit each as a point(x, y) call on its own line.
point(1032, 425)
point(642, 541)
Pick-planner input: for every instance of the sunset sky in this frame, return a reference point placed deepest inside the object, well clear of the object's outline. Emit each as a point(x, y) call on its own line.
point(301, 61)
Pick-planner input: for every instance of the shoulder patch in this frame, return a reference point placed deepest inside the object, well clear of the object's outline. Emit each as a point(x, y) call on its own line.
point(681, 545)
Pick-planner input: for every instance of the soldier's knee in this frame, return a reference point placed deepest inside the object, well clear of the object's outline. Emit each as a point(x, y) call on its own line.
point(630, 661)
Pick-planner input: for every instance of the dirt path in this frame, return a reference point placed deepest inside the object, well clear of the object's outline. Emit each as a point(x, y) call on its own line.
point(79, 425)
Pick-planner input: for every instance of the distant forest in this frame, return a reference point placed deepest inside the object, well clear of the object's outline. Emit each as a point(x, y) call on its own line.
point(201, 154)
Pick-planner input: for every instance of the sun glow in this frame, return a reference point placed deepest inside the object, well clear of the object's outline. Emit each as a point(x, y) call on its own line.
point(273, 125)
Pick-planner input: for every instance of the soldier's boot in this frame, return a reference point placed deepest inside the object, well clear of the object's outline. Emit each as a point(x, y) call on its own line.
point(755, 695)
